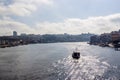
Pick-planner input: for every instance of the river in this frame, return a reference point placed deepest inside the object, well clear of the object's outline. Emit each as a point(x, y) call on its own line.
point(53, 61)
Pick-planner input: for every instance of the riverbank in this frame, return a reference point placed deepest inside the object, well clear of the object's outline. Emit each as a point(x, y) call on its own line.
point(115, 46)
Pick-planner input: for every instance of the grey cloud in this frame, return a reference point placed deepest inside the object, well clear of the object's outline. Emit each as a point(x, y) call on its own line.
point(116, 20)
point(21, 7)
point(75, 25)
point(71, 25)
point(7, 26)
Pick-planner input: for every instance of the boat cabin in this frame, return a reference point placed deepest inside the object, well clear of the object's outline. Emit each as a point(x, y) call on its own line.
point(76, 55)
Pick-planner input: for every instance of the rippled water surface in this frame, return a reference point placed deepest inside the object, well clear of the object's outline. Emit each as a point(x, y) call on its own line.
point(53, 61)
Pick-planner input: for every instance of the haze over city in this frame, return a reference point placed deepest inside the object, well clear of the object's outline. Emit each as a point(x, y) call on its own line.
point(59, 16)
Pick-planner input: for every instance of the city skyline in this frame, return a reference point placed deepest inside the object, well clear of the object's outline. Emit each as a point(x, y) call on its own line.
point(58, 17)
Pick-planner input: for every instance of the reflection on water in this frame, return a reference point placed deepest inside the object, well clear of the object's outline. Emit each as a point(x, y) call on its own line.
point(86, 68)
point(54, 62)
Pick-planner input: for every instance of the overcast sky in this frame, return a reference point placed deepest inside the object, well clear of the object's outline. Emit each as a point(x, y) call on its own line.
point(59, 16)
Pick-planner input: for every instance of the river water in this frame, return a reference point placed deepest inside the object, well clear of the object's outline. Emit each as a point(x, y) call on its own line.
point(53, 61)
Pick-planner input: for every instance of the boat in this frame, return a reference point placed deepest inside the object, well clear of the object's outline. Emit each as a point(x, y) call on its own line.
point(76, 55)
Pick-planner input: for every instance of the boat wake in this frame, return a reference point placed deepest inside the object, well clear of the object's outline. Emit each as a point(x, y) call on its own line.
point(86, 68)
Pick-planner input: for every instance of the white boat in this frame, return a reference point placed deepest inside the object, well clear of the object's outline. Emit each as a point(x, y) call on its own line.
point(76, 54)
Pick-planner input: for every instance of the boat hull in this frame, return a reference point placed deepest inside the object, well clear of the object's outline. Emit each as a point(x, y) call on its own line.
point(76, 55)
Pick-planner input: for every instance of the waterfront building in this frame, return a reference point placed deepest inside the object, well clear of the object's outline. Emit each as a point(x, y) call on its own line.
point(23, 34)
point(94, 39)
point(115, 35)
point(105, 38)
point(14, 33)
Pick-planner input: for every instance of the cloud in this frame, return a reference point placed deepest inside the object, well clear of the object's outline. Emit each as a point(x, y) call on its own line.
point(96, 25)
point(22, 7)
point(8, 25)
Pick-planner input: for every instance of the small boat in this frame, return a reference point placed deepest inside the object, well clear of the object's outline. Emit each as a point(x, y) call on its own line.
point(76, 55)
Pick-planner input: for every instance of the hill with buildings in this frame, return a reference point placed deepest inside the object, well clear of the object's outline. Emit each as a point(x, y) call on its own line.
point(7, 41)
point(106, 39)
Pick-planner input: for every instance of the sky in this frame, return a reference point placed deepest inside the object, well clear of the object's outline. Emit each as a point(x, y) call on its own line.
point(59, 16)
